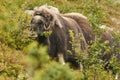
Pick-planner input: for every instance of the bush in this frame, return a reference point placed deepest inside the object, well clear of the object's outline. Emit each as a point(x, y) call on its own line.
point(22, 58)
point(41, 67)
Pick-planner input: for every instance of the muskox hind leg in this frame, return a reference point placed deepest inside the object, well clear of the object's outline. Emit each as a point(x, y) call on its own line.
point(61, 58)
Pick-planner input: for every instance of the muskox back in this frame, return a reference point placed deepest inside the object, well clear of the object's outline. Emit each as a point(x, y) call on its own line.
point(84, 25)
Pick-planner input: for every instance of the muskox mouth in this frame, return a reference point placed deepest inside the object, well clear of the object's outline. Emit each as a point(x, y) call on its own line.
point(32, 35)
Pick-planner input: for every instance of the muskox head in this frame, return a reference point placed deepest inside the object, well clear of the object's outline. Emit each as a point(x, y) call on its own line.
point(43, 19)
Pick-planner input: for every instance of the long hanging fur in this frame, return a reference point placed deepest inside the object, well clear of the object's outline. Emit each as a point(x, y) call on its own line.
point(59, 42)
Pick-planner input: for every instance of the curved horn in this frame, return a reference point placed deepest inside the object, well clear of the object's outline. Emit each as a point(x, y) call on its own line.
point(47, 28)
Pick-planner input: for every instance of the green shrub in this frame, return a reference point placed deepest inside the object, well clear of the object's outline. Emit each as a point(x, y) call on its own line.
point(21, 58)
point(11, 64)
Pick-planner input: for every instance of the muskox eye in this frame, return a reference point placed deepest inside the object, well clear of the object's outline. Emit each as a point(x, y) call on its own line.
point(51, 18)
point(38, 14)
point(40, 22)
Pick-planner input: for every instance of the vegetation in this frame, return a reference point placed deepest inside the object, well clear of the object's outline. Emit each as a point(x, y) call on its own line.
point(22, 58)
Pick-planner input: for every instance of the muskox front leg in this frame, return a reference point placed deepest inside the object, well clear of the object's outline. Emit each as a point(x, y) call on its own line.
point(117, 76)
point(61, 58)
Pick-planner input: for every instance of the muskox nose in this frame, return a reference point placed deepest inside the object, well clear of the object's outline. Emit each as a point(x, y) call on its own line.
point(32, 33)
point(31, 27)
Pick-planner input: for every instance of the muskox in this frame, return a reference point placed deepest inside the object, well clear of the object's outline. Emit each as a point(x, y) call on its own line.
point(106, 57)
point(63, 32)
point(111, 43)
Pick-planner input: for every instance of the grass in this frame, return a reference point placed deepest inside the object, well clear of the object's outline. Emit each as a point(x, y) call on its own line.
point(21, 58)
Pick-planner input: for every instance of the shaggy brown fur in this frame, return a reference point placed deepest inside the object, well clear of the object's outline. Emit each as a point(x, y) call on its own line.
point(84, 25)
point(106, 36)
point(59, 41)
point(48, 18)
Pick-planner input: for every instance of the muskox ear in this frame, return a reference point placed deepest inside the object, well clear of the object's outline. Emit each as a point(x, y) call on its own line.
point(29, 12)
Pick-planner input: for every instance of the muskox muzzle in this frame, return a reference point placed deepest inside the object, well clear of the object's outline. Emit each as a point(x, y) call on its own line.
point(32, 33)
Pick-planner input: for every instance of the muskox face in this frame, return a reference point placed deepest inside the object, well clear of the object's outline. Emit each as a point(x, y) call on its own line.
point(41, 21)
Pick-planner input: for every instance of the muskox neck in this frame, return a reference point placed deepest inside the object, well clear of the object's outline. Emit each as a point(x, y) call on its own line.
point(42, 40)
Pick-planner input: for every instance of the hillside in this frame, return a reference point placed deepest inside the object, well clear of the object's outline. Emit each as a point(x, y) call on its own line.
point(22, 58)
